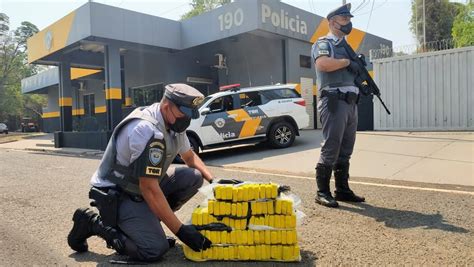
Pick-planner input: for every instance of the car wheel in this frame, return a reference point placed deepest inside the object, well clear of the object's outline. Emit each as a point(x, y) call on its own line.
point(194, 144)
point(6, 132)
point(281, 135)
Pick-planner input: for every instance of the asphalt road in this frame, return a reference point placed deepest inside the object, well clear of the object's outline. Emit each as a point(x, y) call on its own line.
point(398, 224)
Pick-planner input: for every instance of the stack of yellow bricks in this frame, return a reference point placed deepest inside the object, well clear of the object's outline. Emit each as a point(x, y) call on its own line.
point(263, 225)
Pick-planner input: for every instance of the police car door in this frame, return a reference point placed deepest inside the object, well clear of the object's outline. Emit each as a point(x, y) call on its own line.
point(219, 125)
point(249, 118)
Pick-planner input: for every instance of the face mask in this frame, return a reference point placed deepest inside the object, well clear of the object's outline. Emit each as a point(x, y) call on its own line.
point(180, 125)
point(346, 29)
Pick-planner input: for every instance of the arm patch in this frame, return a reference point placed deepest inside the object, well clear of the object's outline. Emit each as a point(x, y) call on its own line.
point(323, 48)
point(151, 161)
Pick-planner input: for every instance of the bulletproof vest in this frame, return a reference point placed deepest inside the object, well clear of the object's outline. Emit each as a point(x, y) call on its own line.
point(341, 77)
point(109, 166)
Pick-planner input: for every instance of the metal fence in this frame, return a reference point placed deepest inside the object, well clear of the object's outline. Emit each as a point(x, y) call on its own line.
point(386, 52)
point(427, 91)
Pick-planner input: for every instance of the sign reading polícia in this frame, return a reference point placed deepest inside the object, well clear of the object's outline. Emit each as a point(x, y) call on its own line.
point(282, 19)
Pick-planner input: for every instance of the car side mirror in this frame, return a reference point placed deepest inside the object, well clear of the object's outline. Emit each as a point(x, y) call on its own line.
point(205, 111)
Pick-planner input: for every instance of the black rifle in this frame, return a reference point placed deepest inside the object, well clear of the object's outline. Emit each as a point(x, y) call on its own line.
point(363, 80)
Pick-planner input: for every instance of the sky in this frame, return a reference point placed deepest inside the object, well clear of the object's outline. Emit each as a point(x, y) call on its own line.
point(388, 19)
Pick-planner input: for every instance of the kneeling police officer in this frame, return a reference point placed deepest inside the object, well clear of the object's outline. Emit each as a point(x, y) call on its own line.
point(135, 188)
point(338, 108)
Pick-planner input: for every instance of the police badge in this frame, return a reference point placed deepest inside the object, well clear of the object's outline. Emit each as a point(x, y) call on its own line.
point(155, 156)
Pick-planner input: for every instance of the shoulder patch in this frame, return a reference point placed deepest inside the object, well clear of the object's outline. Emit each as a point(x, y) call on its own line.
point(323, 45)
point(155, 155)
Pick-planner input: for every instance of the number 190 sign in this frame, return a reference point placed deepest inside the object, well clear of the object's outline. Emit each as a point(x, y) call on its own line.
point(229, 19)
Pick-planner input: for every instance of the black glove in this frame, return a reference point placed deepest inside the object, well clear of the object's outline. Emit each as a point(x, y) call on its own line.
point(191, 237)
point(229, 181)
point(284, 189)
point(354, 67)
point(214, 227)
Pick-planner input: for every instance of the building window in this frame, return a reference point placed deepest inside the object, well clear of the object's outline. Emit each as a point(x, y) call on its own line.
point(89, 105)
point(305, 62)
point(147, 95)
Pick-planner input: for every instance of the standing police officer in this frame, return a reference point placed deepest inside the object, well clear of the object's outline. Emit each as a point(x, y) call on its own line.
point(335, 74)
point(134, 187)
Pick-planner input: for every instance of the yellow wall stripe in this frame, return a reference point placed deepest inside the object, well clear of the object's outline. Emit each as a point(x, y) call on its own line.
point(354, 39)
point(321, 30)
point(56, 35)
point(101, 109)
point(65, 101)
point(48, 115)
point(113, 93)
point(77, 73)
point(128, 101)
point(78, 112)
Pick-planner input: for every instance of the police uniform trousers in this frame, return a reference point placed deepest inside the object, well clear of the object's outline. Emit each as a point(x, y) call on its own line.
point(339, 131)
point(137, 221)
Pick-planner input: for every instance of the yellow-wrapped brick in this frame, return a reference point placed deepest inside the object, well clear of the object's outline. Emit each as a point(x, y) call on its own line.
point(233, 237)
point(268, 252)
point(194, 219)
point(268, 239)
point(245, 209)
point(223, 237)
point(250, 237)
point(256, 237)
point(240, 193)
point(210, 206)
point(278, 206)
point(287, 253)
point(258, 252)
point(244, 237)
point(284, 239)
point(229, 192)
point(268, 191)
point(244, 253)
point(274, 237)
point(270, 207)
point(252, 255)
point(245, 195)
point(274, 190)
point(238, 237)
point(251, 192)
point(234, 209)
point(239, 209)
point(218, 192)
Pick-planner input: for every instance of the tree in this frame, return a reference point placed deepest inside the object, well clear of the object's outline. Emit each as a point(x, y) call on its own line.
point(13, 68)
point(201, 6)
point(463, 26)
point(440, 15)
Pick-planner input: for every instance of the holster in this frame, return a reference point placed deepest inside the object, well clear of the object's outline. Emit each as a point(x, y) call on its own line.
point(333, 99)
point(106, 200)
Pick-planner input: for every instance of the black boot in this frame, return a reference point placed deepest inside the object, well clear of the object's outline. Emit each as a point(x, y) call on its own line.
point(81, 230)
point(323, 177)
point(88, 223)
point(343, 192)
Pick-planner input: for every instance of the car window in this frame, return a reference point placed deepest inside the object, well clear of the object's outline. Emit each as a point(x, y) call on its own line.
point(250, 99)
point(221, 104)
point(281, 93)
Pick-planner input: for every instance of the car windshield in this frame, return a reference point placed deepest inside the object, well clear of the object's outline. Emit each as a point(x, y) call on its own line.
point(205, 101)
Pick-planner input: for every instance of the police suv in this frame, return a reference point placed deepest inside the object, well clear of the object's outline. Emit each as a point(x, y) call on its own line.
point(249, 115)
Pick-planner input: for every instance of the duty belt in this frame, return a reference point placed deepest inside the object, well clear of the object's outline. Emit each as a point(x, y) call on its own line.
point(349, 97)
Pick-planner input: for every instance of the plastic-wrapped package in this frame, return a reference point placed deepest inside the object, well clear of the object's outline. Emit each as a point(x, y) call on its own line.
point(259, 223)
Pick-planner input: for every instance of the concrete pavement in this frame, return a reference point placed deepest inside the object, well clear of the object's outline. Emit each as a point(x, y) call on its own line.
point(440, 158)
point(429, 157)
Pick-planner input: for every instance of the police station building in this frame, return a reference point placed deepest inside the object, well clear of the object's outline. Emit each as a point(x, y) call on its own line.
point(108, 60)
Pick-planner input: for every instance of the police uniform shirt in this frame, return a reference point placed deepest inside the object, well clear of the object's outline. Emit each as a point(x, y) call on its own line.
point(135, 136)
point(323, 47)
